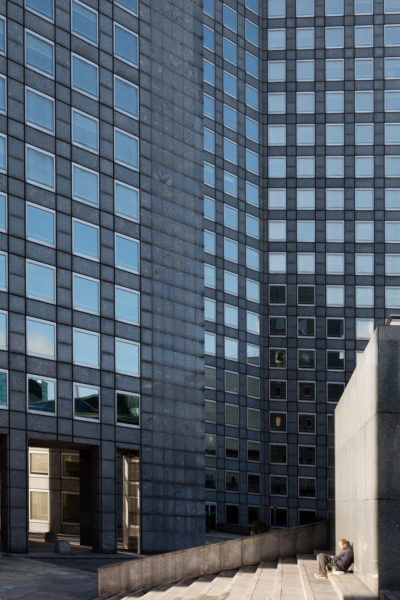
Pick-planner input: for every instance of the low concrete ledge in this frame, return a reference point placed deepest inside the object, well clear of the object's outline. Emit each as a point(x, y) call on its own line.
point(152, 571)
point(349, 587)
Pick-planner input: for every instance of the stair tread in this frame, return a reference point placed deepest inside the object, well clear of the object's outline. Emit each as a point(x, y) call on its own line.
point(287, 582)
point(244, 584)
point(263, 589)
point(314, 589)
point(349, 587)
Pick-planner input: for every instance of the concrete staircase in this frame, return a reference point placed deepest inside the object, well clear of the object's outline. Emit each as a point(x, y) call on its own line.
point(288, 579)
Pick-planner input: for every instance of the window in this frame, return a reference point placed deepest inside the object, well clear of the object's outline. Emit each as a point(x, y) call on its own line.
point(305, 166)
point(335, 295)
point(231, 481)
point(231, 349)
point(209, 310)
point(335, 360)
point(3, 338)
point(229, 17)
point(85, 185)
point(209, 208)
point(307, 485)
point(335, 263)
point(39, 167)
point(277, 294)
point(86, 348)
point(253, 355)
point(230, 84)
point(392, 133)
point(278, 485)
point(334, 37)
point(252, 162)
point(126, 45)
point(39, 110)
point(252, 258)
point(277, 103)
point(276, 8)
point(363, 7)
point(40, 281)
point(208, 7)
point(364, 329)
point(232, 387)
point(305, 38)
point(126, 149)
point(278, 517)
point(392, 68)
point(208, 140)
point(392, 166)
point(208, 72)
point(253, 483)
point(305, 102)
point(277, 421)
point(305, 135)
point(334, 102)
point(276, 199)
point(277, 135)
point(208, 38)
point(307, 455)
point(210, 410)
point(364, 101)
point(392, 262)
point(231, 447)
point(210, 445)
point(43, 7)
point(252, 5)
point(277, 358)
point(364, 36)
point(391, 6)
point(230, 151)
point(277, 390)
point(364, 231)
point(3, 94)
point(334, 166)
point(129, 5)
point(208, 106)
point(210, 479)
point(251, 32)
point(364, 133)
point(38, 505)
point(306, 391)
point(127, 360)
point(210, 377)
point(40, 224)
point(3, 271)
point(86, 402)
point(392, 100)
point(252, 226)
point(305, 294)
point(306, 326)
point(277, 262)
point(304, 8)
point(277, 326)
point(364, 199)
point(85, 131)
point(305, 70)
point(84, 22)
point(84, 76)
point(252, 290)
point(306, 231)
point(39, 54)
point(41, 395)
point(276, 39)
point(277, 166)
point(126, 253)
point(210, 343)
point(251, 64)
point(229, 51)
point(364, 68)
point(364, 264)
point(334, 231)
point(39, 463)
point(306, 359)
point(392, 33)
point(40, 338)
point(85, 240)
point(277, 231)
point(306, 423)
point(333, 7)
point(392, 231)
point(278, 453)
point(392, 297)
point(86, 293)
point(334, 69)
point(334, 134)
point(209, 174)
point(305, 199)
point(334, 200)
point(230, 117)
point(230, 217)
point(276, 70)
point(365, 294)
point(231, 283)
point(230, 184)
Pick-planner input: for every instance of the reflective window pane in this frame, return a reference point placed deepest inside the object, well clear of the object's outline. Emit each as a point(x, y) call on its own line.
point(3, 335)
point(131, 5)
point(85, 131)
point(126, 201)
point(40, 338)
point(85, 185)
point(41, 395)
point(86, 294)
point(39, 110)
point(86, 402)
point(39, 167)
point(126, 149)
point(128, 408)
point(85, 240)
point(126, 253)
point(40, 225)
point(127, 357)
point(42, 7)
point(127, 305)
point(86, 348)
point(40, 281)
point(39, 54)
point(84, 22)
point(126, 97)
point(125, 45)
point(84, 76)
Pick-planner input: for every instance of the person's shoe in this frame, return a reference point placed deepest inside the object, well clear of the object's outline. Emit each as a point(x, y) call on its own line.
point(320, 576)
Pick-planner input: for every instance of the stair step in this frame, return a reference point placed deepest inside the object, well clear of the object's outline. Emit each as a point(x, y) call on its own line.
point(349, 587)
point(220, 586)
point(314, 589)
point(287, 581)
point(244, 584)
point(264, 587)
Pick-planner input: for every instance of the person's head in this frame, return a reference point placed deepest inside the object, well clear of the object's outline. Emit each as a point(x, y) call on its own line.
point(343, 543)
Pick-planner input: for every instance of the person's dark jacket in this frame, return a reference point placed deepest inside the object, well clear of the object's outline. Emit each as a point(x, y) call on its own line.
point(344, 559)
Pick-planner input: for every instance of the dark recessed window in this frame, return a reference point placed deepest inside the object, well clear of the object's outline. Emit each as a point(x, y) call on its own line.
point(306, 423)
point(211, 479)
point(307, 455)
point(335, 328)
point(277, 294)
point(253, 514)
point(231, 481)
point(277, 421)
point(306, 517)
point(306, 359)
point(305, 294)
point(232, 514)
point(306, 391)
point(277, 358)
point(335, 390)
point(305, 327)
point(253, 483)
point(278, 453)
point(277, 390)
point(277, 326)
point(278, 517)
point(335, 360)
point(278, 485)
point(307, 487)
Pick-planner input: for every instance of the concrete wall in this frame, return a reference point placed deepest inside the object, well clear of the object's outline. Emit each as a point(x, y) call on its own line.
point(367, 440)
point(194, 562)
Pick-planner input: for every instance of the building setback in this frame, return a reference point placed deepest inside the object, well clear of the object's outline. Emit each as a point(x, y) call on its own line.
point(164, 370)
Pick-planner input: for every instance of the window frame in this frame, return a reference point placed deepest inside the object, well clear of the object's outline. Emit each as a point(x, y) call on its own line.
point(86, 365)
point(129, 393)
point(78, 35)
point(29, 123)
point(90, 386)
point(27, 65)
point(36, 320)
point(88, 224)
point(41, 412)
point(46, 266)
point(92, 64)
point(84, 310)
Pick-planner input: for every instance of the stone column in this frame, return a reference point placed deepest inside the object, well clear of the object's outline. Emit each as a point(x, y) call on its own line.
point(14, 492)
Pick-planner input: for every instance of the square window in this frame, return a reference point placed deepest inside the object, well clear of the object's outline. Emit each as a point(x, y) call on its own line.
point(85, 240)
point(305, 38)
point(333, 7)
point(306, 359)
point(334, 69)
point(277, 358)
point(392, 68)
point(335, 328)
point(305, 326)
point(334, 134)
point(392, 133)
point(128, 409)
point(84, 22)
point(304, 8)
point(305, 70)
point(126, 46)
point(231, 349)
point(364, 264)
point(44, 8)
point(86, 402)
point(126, 97)
point(40, 281)
point(305, 135)
point(335, 295)
point(229, 51)
point(335, 390)
point(277, 326)
point(334, 102)
point(306, 423)
point(364, 231)
point(276, 8)
point(306, 231)
point(363, 68)
point(40, 167)
point(334, 201)
point(277, 103)
point(307, 485)
point(365, 293)
point(230, 84)
point(86, 293)
point(276, 39)
point(364, 101)
point(126, 253)
point(40, 338)
point(363, 7)
point(40, 225)
point(364, 134)
point(307, 455)
point(41, 395)
point(129, 5)
point(39, 110)
point(392, 100)
point(335, 263)
point(276, 70)
point(334, 231)
point(277, 390)
point(278, 485)
point(364, 329)
point(335, 360)
point(127, 305)
point(127, 357)
point(305, 294)
point(334, 37)
point(278, 453)
point(39, 54)
point(126, 149)
point(85, 185)
point(229, 17)
point(84, 76)
point(277, 421)
point(86, 348)
point(85, 131)
point(363, 36)
point(305, 102)
point(306, 391)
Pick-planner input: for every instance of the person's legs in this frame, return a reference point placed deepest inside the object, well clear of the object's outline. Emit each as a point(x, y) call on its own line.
point(324, 561)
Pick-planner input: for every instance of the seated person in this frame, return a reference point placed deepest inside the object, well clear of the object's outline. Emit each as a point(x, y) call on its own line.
point(339, 563)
